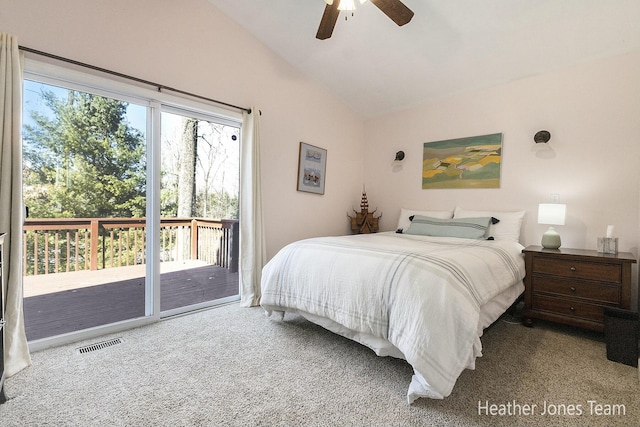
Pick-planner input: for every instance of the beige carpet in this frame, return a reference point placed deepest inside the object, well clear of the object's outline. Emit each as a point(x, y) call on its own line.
point(233, 366)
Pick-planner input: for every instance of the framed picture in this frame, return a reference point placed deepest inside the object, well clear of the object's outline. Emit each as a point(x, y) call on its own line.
point(472, 162)
point(312, 166)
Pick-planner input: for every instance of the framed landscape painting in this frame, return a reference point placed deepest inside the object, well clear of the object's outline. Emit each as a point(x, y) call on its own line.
point(312, 166)
point(472, 162)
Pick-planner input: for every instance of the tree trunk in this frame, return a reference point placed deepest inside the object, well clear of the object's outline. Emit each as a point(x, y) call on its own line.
point(187, 176)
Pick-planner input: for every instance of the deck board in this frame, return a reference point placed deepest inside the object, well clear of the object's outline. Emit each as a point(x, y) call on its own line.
point(76, 309)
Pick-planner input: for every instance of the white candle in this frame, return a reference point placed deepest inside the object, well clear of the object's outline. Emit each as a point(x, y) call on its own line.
point(610, 229)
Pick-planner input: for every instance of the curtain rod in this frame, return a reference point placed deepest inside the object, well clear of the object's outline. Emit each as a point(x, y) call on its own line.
point(128, 77)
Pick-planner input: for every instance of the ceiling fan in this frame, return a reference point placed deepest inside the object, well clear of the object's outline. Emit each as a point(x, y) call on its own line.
point(394, 9)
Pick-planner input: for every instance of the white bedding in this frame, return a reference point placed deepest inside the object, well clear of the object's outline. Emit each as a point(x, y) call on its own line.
point(416, 297)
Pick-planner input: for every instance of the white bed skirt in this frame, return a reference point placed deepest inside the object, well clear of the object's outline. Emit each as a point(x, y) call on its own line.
point(419, 387)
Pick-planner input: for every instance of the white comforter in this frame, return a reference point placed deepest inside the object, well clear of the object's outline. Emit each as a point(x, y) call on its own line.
point(421, 294)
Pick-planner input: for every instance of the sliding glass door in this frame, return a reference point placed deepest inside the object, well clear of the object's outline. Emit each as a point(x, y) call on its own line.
point(132, 204)
point(84, 188)
point(199, 208)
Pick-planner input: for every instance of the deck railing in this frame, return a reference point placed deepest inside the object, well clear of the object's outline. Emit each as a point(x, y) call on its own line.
point(53, 245)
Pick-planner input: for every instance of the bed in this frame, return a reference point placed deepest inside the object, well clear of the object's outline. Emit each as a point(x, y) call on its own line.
point(413, 295)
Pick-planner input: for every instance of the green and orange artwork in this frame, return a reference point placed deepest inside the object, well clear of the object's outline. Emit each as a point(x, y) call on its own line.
point(472, 162)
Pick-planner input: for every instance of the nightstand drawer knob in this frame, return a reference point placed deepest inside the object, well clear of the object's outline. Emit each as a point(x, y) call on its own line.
point(572, 308)
point(573, 269)
point(573, 289)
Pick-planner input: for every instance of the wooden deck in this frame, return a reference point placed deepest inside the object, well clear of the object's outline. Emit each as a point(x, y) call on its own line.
point(86, 306)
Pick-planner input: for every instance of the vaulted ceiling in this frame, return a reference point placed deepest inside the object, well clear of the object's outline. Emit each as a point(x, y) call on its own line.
point(450, 46)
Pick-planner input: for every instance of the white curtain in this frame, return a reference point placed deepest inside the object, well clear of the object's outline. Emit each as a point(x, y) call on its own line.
point(252, 243)
point(16, 350)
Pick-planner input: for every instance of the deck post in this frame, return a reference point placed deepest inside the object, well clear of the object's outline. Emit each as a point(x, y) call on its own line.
point(95, 227)
point(194, 239)
point(235, 247)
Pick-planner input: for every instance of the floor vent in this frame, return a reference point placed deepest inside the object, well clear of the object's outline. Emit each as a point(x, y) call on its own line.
point(98, 346)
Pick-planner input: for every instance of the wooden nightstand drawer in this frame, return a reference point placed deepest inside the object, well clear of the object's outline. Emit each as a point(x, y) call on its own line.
point(568, 307)
point(611, 273)
point(573, 286)
point(576, 289)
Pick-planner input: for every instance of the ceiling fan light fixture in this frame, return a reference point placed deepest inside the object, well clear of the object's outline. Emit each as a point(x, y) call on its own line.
point(394, 9)
point(348, 5)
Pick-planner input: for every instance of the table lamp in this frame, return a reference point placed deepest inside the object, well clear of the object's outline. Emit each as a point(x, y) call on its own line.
point(551, 214)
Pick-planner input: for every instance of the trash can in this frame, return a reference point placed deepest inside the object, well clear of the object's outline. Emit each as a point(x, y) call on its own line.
point(622, 334)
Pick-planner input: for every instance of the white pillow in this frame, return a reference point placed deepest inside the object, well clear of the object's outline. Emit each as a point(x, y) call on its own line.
point(404, 222)
point(507, 229)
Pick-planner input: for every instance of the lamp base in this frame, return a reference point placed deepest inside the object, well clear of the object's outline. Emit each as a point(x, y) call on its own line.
point(551, 239)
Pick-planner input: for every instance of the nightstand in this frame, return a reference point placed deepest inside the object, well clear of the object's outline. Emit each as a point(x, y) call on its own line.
point(572, 286)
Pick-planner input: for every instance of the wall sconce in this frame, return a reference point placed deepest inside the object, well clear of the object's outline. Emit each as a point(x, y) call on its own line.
point(397, 162)
point(541, 138)
point(551, 214)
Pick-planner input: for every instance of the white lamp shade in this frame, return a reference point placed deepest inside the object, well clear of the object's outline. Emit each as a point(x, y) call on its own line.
point(551, 213)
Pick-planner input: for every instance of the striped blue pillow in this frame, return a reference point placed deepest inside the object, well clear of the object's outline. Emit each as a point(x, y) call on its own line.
point(468, 228)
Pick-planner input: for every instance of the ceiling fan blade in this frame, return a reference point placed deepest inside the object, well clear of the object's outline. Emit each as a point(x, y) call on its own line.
point(328, 22)
point(395, 9)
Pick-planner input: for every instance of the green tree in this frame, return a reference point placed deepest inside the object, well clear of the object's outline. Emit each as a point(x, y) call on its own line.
point(83, 159)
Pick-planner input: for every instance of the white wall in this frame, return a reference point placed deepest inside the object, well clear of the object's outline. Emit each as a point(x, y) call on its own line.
point(593, 114)
point(192, 46)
